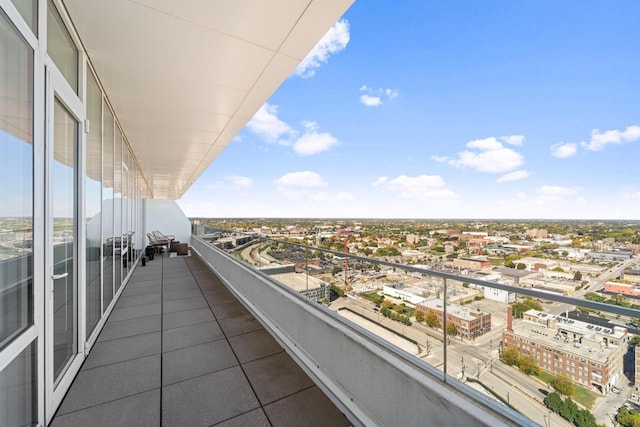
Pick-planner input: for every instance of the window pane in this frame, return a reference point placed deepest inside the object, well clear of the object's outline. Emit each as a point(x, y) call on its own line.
point(93, 203)
point(29, 11)
point(61, 48)
point(117, 210)
point(16, 160)
point(18, 390)
point(107, 208)
point(63, 202)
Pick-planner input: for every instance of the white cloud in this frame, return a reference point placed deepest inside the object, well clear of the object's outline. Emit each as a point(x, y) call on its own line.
point(334, 41)
point(380, 181)
point(439, 159)
point(513, 139)
point(304, 179)
point(599, 140)
point(266, 124)
point(564, 150)
point(556, 191)
point(370, 101)
point(312, 141)
point(417, 187)
point(491, 156)
point(514, 176)
point(233, 182)
point(373, 97)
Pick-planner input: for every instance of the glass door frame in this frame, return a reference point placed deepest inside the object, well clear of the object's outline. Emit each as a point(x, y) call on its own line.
point(57, 89)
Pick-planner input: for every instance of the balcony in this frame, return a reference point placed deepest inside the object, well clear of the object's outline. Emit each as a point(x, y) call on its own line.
point(209, 340)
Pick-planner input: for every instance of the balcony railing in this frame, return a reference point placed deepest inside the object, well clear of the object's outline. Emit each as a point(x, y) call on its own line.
point(381, 366)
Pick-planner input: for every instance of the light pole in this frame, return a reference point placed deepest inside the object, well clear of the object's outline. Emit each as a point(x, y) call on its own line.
point(478, 369)
point(508, 399)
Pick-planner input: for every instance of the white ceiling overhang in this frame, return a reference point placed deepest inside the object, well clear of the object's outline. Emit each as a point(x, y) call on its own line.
point(185, 76)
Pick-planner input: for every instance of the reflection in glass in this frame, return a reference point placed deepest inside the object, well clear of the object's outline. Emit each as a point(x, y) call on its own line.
point(16, 158)
point(29, 11)
point(18, 390)
point(93, 201)
point(61, 48)
point(117, 210)
point(63, 206)
point(107, 208)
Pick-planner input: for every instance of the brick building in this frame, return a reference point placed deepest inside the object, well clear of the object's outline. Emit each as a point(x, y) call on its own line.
point(590, 355)
point(470, 323)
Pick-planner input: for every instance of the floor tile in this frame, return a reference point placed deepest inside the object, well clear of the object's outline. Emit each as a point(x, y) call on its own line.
point(140, 410)
point(309, 408)
point(130, 327)
point(118, 350)
point(191, 362)
point(208, 399)
point(134, 312)
point(275, 377)
point(101, 385)
point(255, 418)
point(138, 300)
point(254, 345)
point(229, 309)
point(184, 318)
point(239, 325)
point(186, 336)
point(184, 304)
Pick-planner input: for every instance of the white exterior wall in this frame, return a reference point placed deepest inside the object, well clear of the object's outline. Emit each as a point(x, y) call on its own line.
point(166, 217)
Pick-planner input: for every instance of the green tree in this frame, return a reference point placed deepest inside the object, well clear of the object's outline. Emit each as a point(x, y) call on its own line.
point(521, 266)
point(585, 419)
point(528, 364)
point(563, 385)
point(431, 319)
point(336, 269)
point(452, 329)
point(577, 276)
point(635, 340)
point(510, 355)
point(387, 304)
point(419, 316)
point(553, 401)
point(569, 410)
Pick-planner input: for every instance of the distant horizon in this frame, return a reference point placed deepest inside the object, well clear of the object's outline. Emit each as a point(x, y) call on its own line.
point(422, 219)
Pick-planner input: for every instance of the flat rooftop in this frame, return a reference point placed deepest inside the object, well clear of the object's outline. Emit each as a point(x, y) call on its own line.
point(452, 309)
point(179, 350)
point(298, 281)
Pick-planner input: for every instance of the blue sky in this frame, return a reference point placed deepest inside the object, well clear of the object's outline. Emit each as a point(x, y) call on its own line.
point(414, 109)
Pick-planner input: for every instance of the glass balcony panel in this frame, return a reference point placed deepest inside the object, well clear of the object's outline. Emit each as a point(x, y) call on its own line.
point(107, 208)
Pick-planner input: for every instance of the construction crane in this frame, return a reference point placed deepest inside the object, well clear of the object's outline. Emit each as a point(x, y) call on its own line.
point(346, 261)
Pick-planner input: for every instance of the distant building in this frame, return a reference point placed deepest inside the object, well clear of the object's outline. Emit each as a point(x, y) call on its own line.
point(536, 233)
point(590, 355)
point(474, 264)
point(631, 275)
point(309, 286)
point(632, 290)
point(610, 256)
point(413, 238)
point(404, 293)
point(470, 323)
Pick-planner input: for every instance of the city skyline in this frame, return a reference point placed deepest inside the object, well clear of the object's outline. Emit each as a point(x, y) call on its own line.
point(417, 110)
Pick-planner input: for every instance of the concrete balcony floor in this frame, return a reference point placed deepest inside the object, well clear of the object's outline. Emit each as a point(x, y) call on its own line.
point(179, 350)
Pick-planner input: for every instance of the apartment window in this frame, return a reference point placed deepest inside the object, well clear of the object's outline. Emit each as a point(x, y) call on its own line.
point(18, 390)
point(61, 48)
point(16, 158)
point(29, 11)
point(93, 204)
point(107, 207)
